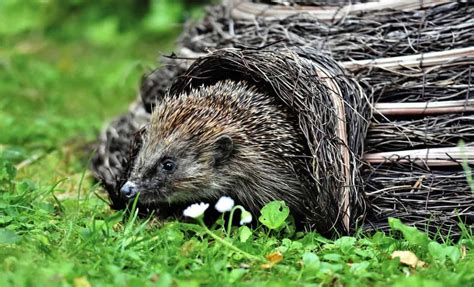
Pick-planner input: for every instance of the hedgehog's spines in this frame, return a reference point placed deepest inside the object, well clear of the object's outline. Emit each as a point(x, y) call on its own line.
point(267, 145)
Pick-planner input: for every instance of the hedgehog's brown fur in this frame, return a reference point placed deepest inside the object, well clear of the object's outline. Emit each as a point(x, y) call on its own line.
point(262, 162)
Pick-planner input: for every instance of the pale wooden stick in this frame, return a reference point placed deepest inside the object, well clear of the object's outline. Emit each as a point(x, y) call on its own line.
point(30, 160)
point(425, 108)
point(425, 59)
point(341, 132)
point(448, 156)
point(188, 53)
point(246, 10)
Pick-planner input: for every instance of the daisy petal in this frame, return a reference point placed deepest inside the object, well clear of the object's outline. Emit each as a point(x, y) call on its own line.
point(245, 217)
point(224, 204)
point(196, 210)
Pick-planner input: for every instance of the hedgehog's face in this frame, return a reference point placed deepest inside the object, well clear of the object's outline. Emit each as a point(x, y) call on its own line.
point(176, 171)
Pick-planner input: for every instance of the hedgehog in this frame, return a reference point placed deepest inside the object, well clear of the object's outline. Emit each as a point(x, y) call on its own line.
point(222, 139)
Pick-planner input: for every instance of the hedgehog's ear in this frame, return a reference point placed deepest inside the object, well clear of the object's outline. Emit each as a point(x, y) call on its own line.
point(223, 148)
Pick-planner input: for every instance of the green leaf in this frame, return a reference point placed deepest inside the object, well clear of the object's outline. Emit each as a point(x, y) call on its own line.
point(360, 268)
point(7, 171)
point(8, 236)
point(236, 274)
point(334, 257)
point(411, 234)
point(440, 252)
point(174, 235)
point(453, 253)
point(14, 154)
point(274, 214)
point(311, 261)
point(165, 280)
point(25, 186)
point(417, 281)
point(183, 283)
point(244, 233)
point(436, 250)
point(5, 219)
point(331, 267)
point(346, 244)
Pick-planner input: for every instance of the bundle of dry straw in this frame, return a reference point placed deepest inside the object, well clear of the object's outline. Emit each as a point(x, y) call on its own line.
point(414, 60)
point(332, 112)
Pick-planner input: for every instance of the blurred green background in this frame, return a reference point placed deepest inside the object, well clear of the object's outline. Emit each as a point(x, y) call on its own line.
point(68, 66)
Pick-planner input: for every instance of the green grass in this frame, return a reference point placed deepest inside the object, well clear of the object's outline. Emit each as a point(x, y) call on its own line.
point(60, 80)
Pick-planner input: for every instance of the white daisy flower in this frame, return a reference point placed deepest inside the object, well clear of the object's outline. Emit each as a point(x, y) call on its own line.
point(224, 204)
point(196, 210)
point(245, 217)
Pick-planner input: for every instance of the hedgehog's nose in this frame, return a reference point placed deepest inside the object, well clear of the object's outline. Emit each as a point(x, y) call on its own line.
point(129, 190)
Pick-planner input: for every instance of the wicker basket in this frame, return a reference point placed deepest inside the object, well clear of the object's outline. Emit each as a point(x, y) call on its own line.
point(408, 62)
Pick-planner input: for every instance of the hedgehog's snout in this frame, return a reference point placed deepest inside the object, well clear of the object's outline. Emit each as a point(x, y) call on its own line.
point(129, 190)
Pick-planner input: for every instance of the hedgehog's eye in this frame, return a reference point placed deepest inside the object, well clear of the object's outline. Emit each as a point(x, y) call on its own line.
point(168, 165)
